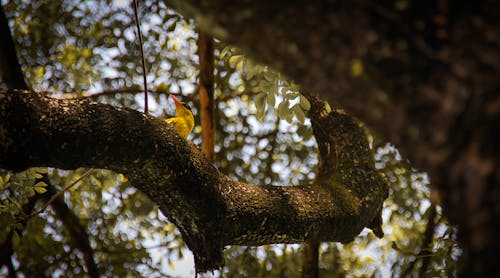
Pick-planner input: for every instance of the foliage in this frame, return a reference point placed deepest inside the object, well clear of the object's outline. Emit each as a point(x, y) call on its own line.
point(263, 137)
point(290, 102)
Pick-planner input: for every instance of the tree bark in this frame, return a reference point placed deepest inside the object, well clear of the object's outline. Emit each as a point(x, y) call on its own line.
point(210, 210)
point(425, 79)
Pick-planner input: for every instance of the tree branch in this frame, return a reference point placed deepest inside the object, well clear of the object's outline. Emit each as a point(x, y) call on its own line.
point(78, 234)
point(57, 195)
point(10, 71)
point(426, 249)
point(210, 210)
point(310, 260)
point(6, 252)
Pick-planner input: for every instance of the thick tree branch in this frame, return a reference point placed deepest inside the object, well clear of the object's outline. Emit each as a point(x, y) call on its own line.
point(427, 81)
point(209, 208)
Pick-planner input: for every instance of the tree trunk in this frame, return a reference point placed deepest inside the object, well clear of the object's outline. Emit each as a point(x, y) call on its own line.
point(207, 101)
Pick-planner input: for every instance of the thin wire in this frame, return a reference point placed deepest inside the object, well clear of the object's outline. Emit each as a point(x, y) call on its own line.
point(138, 25)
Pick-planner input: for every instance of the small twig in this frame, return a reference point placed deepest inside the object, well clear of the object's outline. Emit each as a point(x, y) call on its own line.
point(426, 248)
point(66, 188)
point(138, 25)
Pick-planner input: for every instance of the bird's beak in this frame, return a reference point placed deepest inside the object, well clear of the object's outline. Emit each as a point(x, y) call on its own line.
point(176, 101)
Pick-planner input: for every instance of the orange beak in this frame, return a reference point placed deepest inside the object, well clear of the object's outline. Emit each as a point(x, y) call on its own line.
point(176, 101)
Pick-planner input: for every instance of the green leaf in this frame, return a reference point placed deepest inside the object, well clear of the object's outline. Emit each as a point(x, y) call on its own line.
point(327, 107)
point(7, 178)
point(291, 95)
point(30, 192)
point(240, 65)
point(304, 103)
point(275, 88)
point(233, 61)
point(224, 52)
point(40, 184)
point(304, 132)
point(260, 104)
point(270, 76)
point(371, 237)
point(301, 117)
point(39, 189)
point(260, 100)
point(271, 100)
point(260, 114)
point(283, 109)
point(265, 85)
point(252, 71)
point(109, 183)
point(42, 170)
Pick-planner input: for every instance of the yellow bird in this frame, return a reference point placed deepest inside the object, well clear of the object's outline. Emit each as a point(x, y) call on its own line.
point(183, 122)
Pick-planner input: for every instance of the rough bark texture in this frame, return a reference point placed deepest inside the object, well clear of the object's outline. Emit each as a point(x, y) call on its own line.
point(210, 210)
point(428, 83)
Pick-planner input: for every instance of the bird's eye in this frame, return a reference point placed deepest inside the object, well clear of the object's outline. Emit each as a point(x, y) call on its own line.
point(187, 106)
